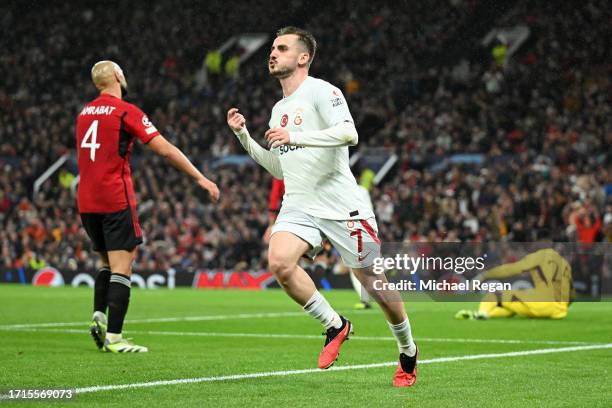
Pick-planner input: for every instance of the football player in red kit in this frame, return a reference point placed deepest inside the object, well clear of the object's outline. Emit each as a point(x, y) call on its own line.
point(105, 132)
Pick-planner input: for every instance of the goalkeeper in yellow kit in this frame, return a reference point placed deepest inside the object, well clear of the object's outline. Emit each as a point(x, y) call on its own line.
point(549, 297)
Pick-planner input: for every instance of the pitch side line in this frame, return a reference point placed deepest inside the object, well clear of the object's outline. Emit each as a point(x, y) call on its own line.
point(165, 319)
point(310, 336)
point(234, 377)
point(262, 315)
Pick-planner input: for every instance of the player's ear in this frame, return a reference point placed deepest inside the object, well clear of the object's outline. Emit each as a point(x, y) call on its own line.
point(118, 75)
point(303, 58)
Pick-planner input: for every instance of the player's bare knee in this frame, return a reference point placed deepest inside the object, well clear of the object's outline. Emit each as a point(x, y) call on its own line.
point(281, 266)
point(121, 261)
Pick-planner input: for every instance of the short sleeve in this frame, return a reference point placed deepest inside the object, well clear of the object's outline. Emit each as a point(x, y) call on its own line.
point(139, 125)
point(331, 105)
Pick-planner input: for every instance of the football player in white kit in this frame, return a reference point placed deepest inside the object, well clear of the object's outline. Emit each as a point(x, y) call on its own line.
point(310, 131)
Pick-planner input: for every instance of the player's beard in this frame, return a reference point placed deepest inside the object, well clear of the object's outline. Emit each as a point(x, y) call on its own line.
point(282, 73)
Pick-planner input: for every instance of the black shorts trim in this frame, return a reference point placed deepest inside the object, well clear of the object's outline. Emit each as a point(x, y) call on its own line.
point(112, 231)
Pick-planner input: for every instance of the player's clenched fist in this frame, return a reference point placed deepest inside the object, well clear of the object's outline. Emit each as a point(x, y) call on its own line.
point(211, 188)
point(235, 120)
point(277, 137)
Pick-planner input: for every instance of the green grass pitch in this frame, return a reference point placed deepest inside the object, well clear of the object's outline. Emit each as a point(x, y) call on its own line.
point(232, 343)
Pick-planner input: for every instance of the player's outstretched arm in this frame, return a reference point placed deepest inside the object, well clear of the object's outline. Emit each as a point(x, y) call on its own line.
point(263, 157)
point(175, 156)
point(341, 134)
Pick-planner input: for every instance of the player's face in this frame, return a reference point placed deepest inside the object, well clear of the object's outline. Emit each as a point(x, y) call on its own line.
point(284, 56)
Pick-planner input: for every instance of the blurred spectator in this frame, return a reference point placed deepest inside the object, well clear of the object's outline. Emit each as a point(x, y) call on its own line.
point(539, 128)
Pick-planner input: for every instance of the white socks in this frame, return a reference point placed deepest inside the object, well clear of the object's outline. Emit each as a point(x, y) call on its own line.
point(318, 308)
point(403, 336)
point(113, 337)
point(99, 316)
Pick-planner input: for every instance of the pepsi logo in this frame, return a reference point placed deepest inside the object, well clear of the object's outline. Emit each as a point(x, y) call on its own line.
point(48, 276)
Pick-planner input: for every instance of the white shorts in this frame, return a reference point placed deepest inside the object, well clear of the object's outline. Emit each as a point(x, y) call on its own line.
point(356, 240)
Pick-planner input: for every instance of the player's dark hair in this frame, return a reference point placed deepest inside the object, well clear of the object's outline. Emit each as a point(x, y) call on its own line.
point(305, 37)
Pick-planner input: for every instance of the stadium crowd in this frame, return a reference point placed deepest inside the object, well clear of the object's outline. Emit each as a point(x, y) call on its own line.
point(536, 129)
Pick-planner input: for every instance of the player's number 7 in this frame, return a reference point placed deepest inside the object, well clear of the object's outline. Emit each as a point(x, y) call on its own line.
point(359, 240)
point(92, 133)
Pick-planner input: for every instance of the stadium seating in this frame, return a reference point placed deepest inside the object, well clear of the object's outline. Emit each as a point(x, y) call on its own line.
point(487, 152)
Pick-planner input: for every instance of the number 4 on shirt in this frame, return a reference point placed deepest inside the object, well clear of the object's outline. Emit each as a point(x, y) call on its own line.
point(92, 145)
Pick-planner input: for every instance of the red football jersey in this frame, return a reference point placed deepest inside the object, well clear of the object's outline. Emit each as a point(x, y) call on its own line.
point(105, 132)
point(276, 195)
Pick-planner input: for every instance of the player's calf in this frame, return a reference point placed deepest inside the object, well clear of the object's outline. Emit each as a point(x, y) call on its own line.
point(101, 288)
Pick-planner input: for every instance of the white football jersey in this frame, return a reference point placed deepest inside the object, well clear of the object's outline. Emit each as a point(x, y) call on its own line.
point(318, 180)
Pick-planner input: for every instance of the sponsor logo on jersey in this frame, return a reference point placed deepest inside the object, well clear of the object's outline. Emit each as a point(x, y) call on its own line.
point(284, 120)
point(337, 98)
point(286, 148)
point(149, 128)
point(336, 102)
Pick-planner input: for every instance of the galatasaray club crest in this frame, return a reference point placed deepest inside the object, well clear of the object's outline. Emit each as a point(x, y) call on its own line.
point(284, 120)
point(298, 117)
